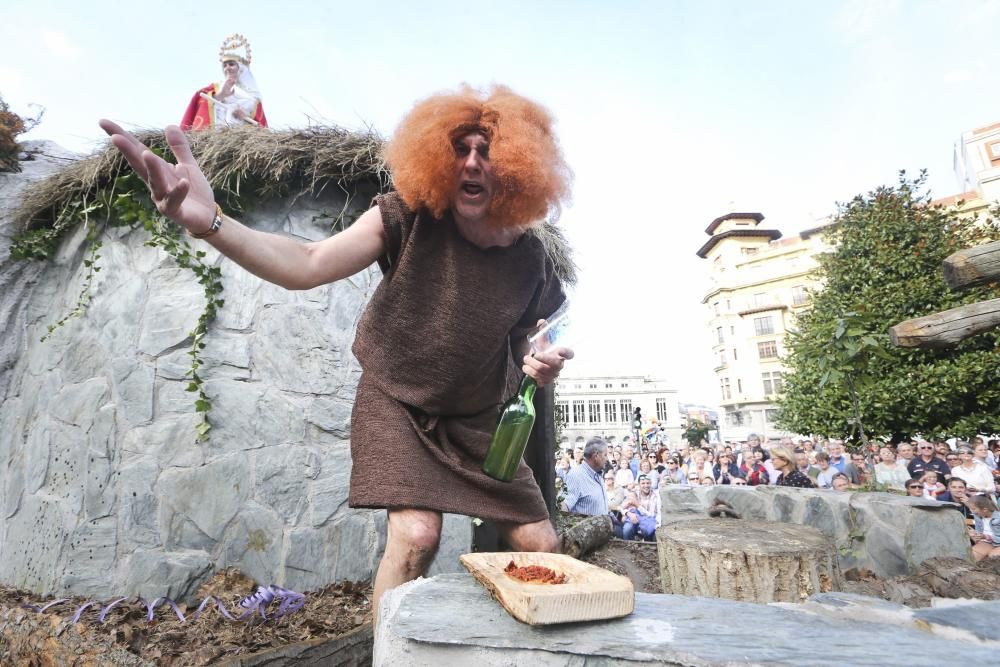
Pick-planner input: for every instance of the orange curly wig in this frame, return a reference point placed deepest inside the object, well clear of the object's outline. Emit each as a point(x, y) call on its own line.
point(533, 180)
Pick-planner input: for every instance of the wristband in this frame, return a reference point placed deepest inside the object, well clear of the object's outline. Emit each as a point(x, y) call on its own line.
point(214, 228)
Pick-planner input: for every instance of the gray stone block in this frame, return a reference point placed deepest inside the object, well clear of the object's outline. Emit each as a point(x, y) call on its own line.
point(280, 480)
point(328, 491)
point(307, 359)
point(974, 622)
point(451, 619)
point(253, 542)
point(77, 403)
point(175, 575)
point(886, 533)
point(209, 496)
point(91, 546)
point(133, 389)
point(175, 301)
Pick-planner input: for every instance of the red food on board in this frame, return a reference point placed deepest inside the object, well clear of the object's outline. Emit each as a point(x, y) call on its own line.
point(534, 574)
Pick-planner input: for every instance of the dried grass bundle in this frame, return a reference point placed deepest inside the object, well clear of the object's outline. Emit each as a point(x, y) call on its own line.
point(251, 161)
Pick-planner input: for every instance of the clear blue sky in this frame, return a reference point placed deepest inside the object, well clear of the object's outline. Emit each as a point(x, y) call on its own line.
point(671, 113)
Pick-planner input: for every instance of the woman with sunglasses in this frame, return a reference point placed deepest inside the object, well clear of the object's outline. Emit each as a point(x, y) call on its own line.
point(915, 488)
point(672, 473)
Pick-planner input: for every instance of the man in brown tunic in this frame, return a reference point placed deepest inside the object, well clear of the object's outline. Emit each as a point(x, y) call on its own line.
point(465, 280)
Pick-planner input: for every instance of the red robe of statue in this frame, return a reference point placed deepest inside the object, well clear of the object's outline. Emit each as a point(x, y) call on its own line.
point(200, 113)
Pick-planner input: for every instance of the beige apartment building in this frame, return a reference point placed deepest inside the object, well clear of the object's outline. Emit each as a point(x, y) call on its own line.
point(760, 282)
point(977, 167)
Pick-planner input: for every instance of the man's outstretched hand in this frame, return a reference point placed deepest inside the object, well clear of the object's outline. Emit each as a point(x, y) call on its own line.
point(180, 191)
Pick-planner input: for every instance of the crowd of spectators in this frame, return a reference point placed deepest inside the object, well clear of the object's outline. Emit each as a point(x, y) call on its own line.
point(622, 478)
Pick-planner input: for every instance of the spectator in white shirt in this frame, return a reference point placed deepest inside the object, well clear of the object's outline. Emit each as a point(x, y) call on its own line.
point(978, 478)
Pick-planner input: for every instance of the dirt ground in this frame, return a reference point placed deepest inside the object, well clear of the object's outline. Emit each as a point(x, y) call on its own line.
point(636, 560)
point(28, 638)
point(32, 639)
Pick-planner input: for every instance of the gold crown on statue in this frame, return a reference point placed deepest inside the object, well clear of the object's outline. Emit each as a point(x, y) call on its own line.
point(231, 49)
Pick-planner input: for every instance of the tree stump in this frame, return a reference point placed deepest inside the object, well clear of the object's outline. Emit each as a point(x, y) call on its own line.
point(748, 560)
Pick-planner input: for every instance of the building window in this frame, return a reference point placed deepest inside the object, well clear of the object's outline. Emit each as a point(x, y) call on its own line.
point(594, 412)
point(739, 386)
point(767, 349)
point(732, 330)
point(749, 250)
point(727, 394)
point(993, 150)
point(578, 415)
point(577, 386)
point(734, 418)
point(800, 295)
point(715, 307)
point(610, 412)
point(763, 326)
point(562, 412)
point(626, 414)
point(608, 385)
point(661, 410)
point(771, 415)
point(735, 356)
point(728, 306)
point(772, 382)
point(722, 357)
point(718, 334)
point(760, 300)
point(593, 385)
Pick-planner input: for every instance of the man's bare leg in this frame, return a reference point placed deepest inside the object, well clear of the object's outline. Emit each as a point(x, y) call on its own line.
point(411, 543)
point(537, 536)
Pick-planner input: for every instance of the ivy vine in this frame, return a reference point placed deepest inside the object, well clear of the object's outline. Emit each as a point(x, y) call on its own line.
point(125, 203)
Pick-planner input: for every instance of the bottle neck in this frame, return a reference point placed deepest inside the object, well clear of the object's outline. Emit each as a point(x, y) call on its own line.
point(528, 386)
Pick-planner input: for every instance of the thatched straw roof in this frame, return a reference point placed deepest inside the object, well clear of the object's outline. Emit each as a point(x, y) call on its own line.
point(270, 163)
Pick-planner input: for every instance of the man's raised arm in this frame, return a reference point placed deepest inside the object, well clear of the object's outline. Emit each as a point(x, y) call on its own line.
point(182, 193)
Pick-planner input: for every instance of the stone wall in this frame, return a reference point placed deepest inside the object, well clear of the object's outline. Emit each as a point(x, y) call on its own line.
point(103, 490)
point(882, 532)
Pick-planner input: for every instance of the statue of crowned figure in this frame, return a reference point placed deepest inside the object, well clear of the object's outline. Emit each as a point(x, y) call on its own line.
point(235, 100)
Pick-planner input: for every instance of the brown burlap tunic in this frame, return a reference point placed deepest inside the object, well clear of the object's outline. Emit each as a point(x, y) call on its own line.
point(435, 353)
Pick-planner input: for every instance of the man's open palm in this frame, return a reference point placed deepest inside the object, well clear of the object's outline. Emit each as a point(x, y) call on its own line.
point(181, 192)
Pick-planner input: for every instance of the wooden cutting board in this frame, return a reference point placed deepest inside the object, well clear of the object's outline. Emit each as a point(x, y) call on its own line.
point(589, 593)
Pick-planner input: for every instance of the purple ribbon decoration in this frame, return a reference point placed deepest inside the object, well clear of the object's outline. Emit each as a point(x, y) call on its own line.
point(290, 602)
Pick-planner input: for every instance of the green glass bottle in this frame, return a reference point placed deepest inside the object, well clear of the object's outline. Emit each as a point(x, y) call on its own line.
point(512, 432)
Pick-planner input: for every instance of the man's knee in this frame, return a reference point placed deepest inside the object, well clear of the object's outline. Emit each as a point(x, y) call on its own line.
point(416, 535)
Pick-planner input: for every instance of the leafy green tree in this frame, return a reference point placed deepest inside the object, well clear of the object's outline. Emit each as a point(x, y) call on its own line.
point(696, 432)
point(885, 267)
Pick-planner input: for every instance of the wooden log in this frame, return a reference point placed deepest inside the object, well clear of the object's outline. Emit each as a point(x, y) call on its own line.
point(949, 327)
point(950, 577)
point(584, 537)
point(353, 649)
point(748, 560)
point(973, 266)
